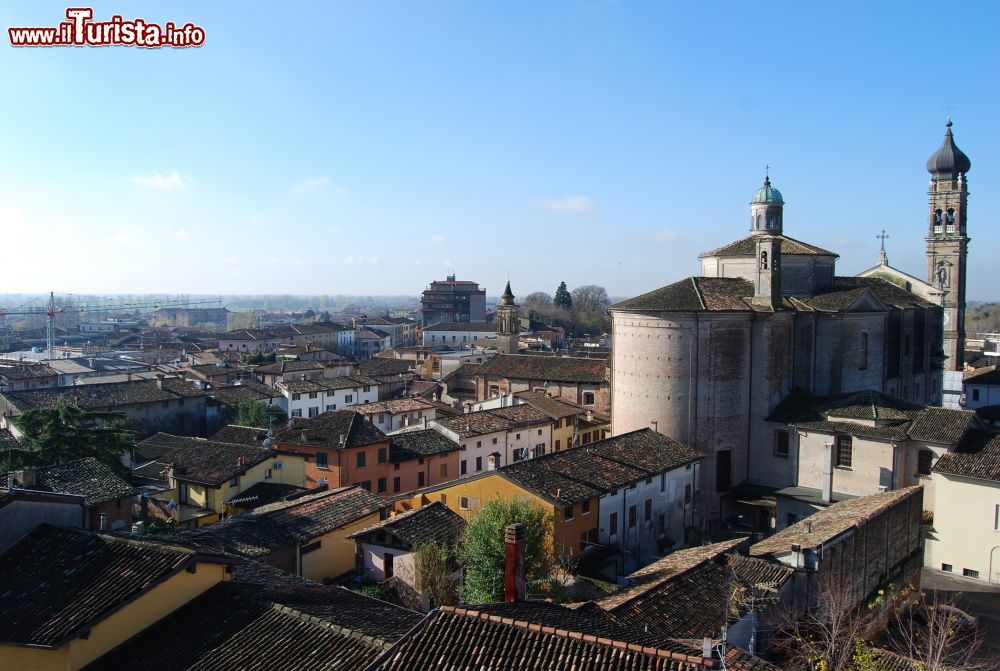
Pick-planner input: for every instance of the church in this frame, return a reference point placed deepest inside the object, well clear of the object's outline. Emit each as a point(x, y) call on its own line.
point(705, 360)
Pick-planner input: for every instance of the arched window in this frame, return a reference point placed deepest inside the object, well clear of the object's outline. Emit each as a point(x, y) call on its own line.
point(950, 220)
point(863, 351)
point(760, 221)
point(763, 260)
point(937, 217)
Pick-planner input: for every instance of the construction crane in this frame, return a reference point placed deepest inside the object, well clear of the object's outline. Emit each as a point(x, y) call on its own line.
point(52, 310)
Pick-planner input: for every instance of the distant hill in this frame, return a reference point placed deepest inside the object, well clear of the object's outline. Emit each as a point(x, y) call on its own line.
point(981, 318)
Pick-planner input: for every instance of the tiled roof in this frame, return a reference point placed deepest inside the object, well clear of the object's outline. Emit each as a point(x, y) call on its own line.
point(846, 290)
point(830, 522)
point(545, 368)
point(328, 428)
point(881, 432)
point(395, 406)
point(246, 390)
point(266, 621)
point(247, 334)
point(748, 247)
point(386, 366)
point(281, 367)
point(241, 435)
point(581, 473)
point(107, 395)
point(483, 422)
point(16, 370)
point(322, 384)
point(8, 441)
point(264, 493)
point(465, 370)
point(87, 477)
point(199, 460)
point(989, 375)
point(431, 523)
point(941, 425)
point(56, 582)
point(421, 443)
point(758, 572)
point(553, 407)
point(278, 525)
point(463, 639)
point(473, 327)
point(977, 457)
point(694, 294)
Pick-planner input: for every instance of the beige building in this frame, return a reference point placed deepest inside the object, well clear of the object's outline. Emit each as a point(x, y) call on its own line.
point(965, 536)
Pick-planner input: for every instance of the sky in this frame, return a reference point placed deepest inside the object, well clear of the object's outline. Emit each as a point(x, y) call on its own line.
point(371, 147)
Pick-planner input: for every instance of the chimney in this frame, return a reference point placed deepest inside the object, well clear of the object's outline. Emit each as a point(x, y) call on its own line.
point(103, 522)
point(423, 423)
point(654, 425)
point(128, 376)
point(515, 537)
point(808, 525)
point(828, 473)
point(590, 417)
point(706, 648)
point(27, 478)
point(159, 380)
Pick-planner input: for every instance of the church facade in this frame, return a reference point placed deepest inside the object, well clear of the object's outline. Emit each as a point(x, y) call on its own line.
point(705, 360)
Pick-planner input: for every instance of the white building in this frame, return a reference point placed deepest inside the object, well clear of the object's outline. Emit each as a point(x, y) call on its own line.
point(309, 398)
point(456, 334)
point(399, 413)
point(494, 438)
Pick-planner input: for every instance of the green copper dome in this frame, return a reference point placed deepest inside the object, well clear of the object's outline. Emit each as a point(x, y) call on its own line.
point(767, 193)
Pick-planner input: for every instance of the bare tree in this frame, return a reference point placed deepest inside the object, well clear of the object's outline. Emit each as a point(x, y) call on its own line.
point(934, 632)
point(538, 298)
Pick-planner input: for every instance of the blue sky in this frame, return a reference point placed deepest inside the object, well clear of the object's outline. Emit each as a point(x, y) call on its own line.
point(370, 147)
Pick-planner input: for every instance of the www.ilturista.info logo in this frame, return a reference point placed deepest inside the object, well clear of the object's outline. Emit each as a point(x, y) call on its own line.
point(81, 31)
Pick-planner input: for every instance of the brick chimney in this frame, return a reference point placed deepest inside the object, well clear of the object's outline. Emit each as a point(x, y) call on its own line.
point(515, 537)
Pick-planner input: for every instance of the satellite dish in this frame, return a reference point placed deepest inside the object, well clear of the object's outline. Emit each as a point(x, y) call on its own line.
point(171, 505)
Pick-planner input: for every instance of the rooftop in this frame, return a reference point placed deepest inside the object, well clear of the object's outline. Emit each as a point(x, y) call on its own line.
point(57, 583)
point(977, 457)
point(420, 443)
point(830, 522)
point(483, 422)
point(86, 477)
point(546, 368)
point(207, 462)
point(108, 395)
point(434, 522)
point(337, 428)
point(395, 406)
point(472, 327)
point(748, 247)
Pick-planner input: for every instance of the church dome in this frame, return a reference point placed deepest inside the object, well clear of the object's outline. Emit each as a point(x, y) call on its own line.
point(767, 193)
point(948, 159)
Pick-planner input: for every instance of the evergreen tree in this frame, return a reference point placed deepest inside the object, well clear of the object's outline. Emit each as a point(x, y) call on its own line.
point(562, 298)
point(65, 433)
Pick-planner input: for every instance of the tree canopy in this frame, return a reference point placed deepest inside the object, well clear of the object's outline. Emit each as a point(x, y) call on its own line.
point(259, 414)
point(563, 299)
point(65, 433)
point(483, 552)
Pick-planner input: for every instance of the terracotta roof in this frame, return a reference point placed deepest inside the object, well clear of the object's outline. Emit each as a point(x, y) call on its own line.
point(546, 368)
point(329, 428)
point(386, 366)
point(395, 406)
point(434, 522)
point(294, 366)
point(467, 639)
point(17, 370)
point(483, 422)
point(246, 390)
point(87, 477)
point(106, 395)
point(422, 443)
point(264, 493)
point(242, 435)
point(830, 522)
point(846, 290)
point(977, 457)
point(694, 294)
point(553, 407)
point(275, 526)
point(581, 473)
point(56, 583)
point(759, 572)
point(882, 432)
point(199, 460)
point(324, 383)
point(264, 619)
point(748, 247)
point(941, 425)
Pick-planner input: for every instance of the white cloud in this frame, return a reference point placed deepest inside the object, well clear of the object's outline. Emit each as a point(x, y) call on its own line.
point(168, 182)
point(577, 204)
point(438, 239)
point(665, 235)
point(316, 184)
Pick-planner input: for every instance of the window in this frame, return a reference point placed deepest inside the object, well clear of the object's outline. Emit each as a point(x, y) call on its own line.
point(382, 458)
point(361, 459)
point(443, 471)
point(387, 565)
point(382, 485)
point(863, 351)
point(585, 506)
point(366, 389)
point(329, 392)
point(996, 517)
point(663, 482)
point(331, 407)
point(321, 460)
point(790, 519)
point(946, 567)
point(494, 441)
point(479, 443)
point(723, 470)
point(312, 394)
point(395, 484)
point(925, 458)
point(588, 398)
point(297, 412)
point(349, 398)
point(539, 432)
point(463, 502)
point(687, 494)
point(462, 467)
point(567, 513)
point(845, 451)
point(182, 492)
point(314, 411)
point(613, 524)
point(975, 394)
point(518, 437)
point(539, 450)
point(633, 516)
point(781, 443)
point(296, 397)
point(267, 474)
point(233, 481)
point(558, 444)
point(648, 512)
point(366, 485)
point(420, 479)
point(479, 464)
point(969, 573)
point(444, 499)
point(381, 418)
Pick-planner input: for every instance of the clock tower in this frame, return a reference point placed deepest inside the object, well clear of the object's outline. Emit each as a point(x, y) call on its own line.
point(948, 242)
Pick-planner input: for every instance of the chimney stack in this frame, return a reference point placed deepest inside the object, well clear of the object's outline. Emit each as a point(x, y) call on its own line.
point(706, 648)
point(809, 526)
point(27, 478)
point(654, 425)
point(828, 473)
point(515, 537)
point(159, 380)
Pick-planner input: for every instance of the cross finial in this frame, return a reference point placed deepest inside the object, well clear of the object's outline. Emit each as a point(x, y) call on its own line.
point(882, 258)
point(767, 171)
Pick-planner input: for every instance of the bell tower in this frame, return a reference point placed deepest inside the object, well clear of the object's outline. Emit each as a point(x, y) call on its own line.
point(766, 224)
point(507, 323)
point(948, 242)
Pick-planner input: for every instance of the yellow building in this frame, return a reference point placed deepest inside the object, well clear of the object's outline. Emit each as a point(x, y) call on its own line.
point(69, 596)
point(196, 481)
